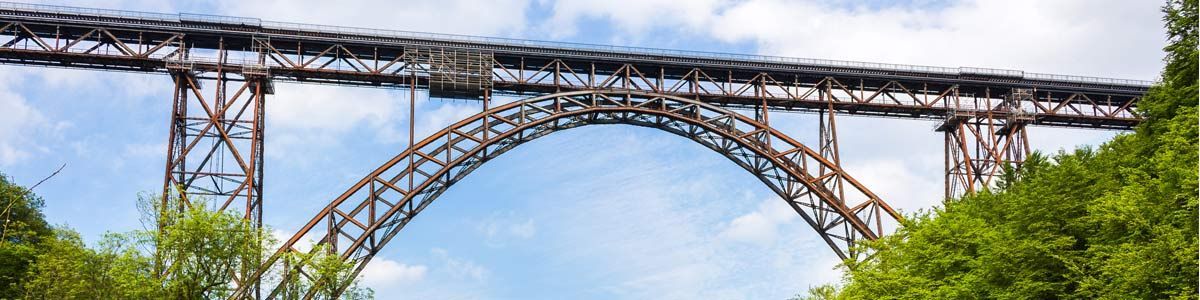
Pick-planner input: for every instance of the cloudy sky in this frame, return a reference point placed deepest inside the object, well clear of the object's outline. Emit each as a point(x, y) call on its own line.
point(598, 212)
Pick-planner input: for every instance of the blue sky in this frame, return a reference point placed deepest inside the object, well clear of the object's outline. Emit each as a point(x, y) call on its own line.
point(598, 212)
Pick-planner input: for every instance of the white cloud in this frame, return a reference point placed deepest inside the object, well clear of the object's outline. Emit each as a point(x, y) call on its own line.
point(444, 16)
point(761, 226)
point(25, 130)
point(630, 17)
point(1050, 140)
point(523, 230)
point(458, 267)
point(307, 122)
point(303, 245)
point(145, 150)
point(129, 89)
point(32, 123)
point(1106, 38)
point(383, 273)
point(899, 183)
point(1040, 36)
point(15, 127)
point(675, 222)
point(444, 113)
point(500, 228)
point(334, 109)
point(140, 5)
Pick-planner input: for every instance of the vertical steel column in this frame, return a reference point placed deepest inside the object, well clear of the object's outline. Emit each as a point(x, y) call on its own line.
point(215, 149)
point(980, 146)
point(412, 132)
point(828, 147)
point(827, 127)
point(176, 140)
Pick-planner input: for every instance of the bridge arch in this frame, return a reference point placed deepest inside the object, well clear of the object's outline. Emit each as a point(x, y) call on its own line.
point(359, 222)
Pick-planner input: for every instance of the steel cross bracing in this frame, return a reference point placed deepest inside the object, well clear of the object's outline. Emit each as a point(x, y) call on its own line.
point(222, 68)
point(216, 143)
point(147, 42)
point(979, 148)
point(464, 66)
point(215, 149)
point(361, 221)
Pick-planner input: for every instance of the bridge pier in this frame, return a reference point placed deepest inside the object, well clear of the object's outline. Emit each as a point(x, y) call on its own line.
point(980, 146)
point(827, 136)
point(215, 144)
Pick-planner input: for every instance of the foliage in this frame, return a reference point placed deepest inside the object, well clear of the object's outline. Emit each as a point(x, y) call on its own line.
point(199, 254)
point(22, 230)
point(329, 273)
point(21, 213)
point(204, 250)
point(1117, 222)
point(67, 269)
point(821, 292)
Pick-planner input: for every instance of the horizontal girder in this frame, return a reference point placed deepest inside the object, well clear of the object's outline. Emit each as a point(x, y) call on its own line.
point(146, 42)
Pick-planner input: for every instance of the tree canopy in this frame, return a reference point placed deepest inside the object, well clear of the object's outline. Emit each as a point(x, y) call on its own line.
point(23, 230)
point(1115, 222)
point(197, 254)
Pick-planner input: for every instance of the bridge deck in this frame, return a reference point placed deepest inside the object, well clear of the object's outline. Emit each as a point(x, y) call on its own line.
point(466, 65)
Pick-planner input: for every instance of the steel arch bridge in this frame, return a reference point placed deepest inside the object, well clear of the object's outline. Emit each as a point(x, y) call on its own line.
point(223, 68)
point(364, 218)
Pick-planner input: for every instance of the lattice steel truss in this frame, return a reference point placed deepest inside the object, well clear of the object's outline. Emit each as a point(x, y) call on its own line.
point(128, 41)
point(215, 149)
point(980, 147)
point(362, 220)
point(216, 143)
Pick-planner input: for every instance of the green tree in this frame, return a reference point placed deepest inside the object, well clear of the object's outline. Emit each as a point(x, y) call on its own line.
point(23, 228)
point(1116, 222)
point(67, 269)
point(199, 254)
point(1145, 245)
point(64, 270)
point(821, 292)
point(328, 272)
point(204, 250)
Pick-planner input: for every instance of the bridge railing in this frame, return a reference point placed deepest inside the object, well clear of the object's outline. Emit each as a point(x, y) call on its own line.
point(185, 17)
point(84, 11)
point(1087, 79)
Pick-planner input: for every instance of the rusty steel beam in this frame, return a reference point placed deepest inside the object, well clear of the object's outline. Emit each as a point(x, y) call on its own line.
point(215, 148)
point(362, 220)
point(144, 42)
point(981, 147)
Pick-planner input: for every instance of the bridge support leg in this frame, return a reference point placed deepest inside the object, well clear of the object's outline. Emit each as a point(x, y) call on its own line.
point(827, 144)
point(828, 140)
point(979, 147)
point(215, 149)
